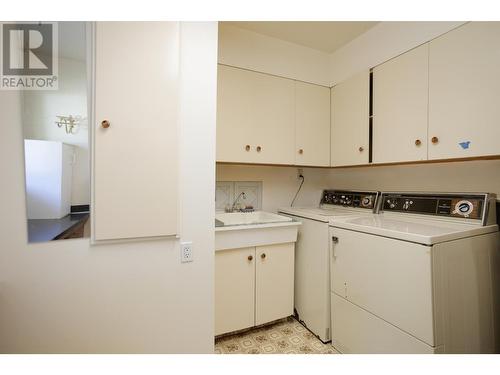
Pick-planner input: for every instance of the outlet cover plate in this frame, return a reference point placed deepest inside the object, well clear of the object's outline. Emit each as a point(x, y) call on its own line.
point(186, 252)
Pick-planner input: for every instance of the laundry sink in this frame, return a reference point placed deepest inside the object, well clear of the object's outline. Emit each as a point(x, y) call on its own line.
point(246, 218)
point(235, 230)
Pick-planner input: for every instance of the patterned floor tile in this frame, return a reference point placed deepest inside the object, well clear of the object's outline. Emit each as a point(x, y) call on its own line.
point(286, 336)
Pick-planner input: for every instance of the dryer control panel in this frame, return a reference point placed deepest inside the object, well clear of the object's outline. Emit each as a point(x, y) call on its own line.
point(467, 206)
point(356, 199)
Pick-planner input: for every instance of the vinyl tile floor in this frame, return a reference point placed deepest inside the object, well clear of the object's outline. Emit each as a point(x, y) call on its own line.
point(286, 336)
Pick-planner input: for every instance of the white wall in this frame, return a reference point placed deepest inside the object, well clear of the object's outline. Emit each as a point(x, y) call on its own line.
point(381, 43)
point(250, 50)
point(386, 40)
point(279, 184)
point(68, 296)
point(468, 176)
point(40, 109)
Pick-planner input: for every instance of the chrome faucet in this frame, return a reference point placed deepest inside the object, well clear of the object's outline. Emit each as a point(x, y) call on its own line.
point(242, 194)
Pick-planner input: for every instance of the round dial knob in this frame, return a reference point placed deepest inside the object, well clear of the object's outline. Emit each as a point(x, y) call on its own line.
point(464, 208)
point(366, 201)
point(391, 202)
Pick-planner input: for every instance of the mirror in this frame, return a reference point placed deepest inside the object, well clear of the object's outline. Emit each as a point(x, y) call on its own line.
point(56, 142)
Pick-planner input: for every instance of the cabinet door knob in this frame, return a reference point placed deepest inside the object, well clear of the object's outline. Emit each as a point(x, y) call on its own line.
point(259, 149)
point(301, 151)
point(105, 124)
point(247, 147)
point(418, 142)
point(361, 149)
point(263, 255)
point(250, 258)
point(434, 140)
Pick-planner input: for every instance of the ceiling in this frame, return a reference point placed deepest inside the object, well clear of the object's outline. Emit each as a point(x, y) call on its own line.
point(326, 36)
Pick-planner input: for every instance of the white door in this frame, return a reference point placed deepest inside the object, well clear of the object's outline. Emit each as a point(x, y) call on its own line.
point(400, 102)
point(464, 95)
point(135, 158)
point(234, 289)
point(312, 125)
point(274, 282)
point(255, 117)
point(386, 277)
point(350, 121)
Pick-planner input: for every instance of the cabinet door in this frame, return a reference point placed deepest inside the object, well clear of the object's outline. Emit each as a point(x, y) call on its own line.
point(400, 103)
point(274, 282)
point(235, 105)
point(350, 121)
point(234, 289)
point(312, 125)
point(255, 117)
point(464, 98)
point(135, 158)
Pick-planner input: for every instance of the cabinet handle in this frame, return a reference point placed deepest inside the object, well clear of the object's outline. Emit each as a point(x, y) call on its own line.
point(247, 147)
point(263, 255)
point(259, 149)
point(434, 140)
point(335, 240)
point(250, 258)
point(301, 151)
point(418, 142)
point(105, 124)
point(361, 149)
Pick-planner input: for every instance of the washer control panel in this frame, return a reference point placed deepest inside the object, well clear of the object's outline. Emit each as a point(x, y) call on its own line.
point(451, 205)
point(357, 199)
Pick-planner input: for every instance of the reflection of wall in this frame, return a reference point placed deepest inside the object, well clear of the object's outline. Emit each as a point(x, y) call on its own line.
point(48, 178)
point(39, 115)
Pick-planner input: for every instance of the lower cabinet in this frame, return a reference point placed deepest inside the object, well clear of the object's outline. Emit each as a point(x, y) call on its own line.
point(253, 286)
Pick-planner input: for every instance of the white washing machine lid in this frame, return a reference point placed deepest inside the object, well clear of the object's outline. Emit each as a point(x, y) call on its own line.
point(323, 214)
point(419, 230)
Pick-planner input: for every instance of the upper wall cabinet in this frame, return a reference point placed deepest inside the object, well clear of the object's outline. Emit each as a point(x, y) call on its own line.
point(135, 138)
point(464, 95)
point(312, 122)
point(255, 117)
point(350, 121)
point(400, 95)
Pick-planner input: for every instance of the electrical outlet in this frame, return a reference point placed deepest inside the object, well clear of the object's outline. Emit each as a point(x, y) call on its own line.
point(300, 172)
point(186, 252)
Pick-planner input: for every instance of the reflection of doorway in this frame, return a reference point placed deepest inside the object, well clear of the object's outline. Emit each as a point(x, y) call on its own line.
point(56, 134)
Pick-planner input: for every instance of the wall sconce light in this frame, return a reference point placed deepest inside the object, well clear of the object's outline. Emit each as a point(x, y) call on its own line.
point(70, 123)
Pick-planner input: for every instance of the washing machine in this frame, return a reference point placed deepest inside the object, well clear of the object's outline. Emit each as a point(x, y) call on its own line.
point(419, 277)
point(312, 266)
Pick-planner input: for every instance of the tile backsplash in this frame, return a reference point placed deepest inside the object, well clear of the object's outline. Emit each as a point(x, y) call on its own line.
point(227, 191)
